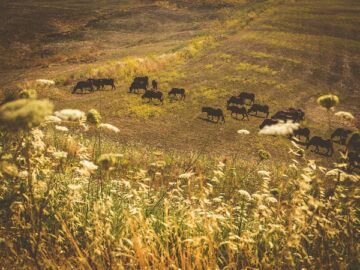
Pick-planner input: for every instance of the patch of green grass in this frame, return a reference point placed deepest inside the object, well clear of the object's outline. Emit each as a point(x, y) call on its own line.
point(263, 55)
point(247, 67)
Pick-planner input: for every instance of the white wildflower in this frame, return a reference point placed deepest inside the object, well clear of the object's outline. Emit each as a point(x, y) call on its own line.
point(37, 140)
point(88, 165)
point(244, 195)
point(109, 127)
point(23, 174)
point(271, 200)
point(70, 115)
point(264, 173)
point(345, 115)
point(262, 207)
point(60, 154)
point(61, 128)
point(281, 128)
point(45, 82)
point(186, 175)
point(243, 132)
point(53, 119)
point(74, 186)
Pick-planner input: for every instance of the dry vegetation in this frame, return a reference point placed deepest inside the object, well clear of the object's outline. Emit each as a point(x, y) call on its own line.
point(167, 190)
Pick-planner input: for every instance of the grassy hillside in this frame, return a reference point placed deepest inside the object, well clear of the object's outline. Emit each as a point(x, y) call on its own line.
point(162, 187)
point(287, 53)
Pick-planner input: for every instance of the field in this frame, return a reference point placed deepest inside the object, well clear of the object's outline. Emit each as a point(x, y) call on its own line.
point(171, 189)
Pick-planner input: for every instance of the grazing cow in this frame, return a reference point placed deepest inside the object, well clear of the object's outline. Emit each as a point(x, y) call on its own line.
point(342, 133)
point(268, 122)
point(177, 91)
point(108, 81)
point(320, 142)
point(96, 82)
point(249, 96)
point(259, 108)
point(214, 112)
point(83, 85)
point(237, 110)
point(235, 100)
point(153, 95)
point(305, 132)
point(154, 84)
point(142, 80)
point(353, 161)
point(136, 85)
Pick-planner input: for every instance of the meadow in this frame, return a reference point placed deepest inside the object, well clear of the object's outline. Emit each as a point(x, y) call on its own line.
point(104, 180)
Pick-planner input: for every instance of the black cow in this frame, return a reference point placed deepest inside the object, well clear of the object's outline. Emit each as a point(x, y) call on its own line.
point(83, 85)
point(259, 108)
point(108, 81)
point(342, 133)
point(305, 132)
point(268, 122)
point(142, 80)
point(320, 142)
point(298, 113)
point(237, 110)
point(235, 100)
point(153, 95)
point(136, 85)
point(249, 96)
point(177, 91)
point(214, 112)
point(96, 82)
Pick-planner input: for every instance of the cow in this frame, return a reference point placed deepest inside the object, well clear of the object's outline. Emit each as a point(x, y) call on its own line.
point(177, 91)
point(153, 95)
point(83, 85)
point(318, 142)
point(238, 110)
point(342, 133)
point(249, 96)
point(259, 108)
point(235, 100)
point(305, 132)
point(214, 112)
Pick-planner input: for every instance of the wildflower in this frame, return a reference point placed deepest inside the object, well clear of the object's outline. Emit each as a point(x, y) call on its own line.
point(271, 200)
point(61, 128)
point(24, 114)
point(60, 154)
point(28, 94)
point(328, 101)
point(23, 174)
point(74, 186)
point(264, 173)
point(88, 165)
point(37, 140)
point(243, 132)
point(109, 127)
point(45, 82)
point(345, 115)
point(8, 169)
point(282, 128)
point(186, 175)
point(53, 119)
point(93, 117)
point(244, 195)
point(70, 115)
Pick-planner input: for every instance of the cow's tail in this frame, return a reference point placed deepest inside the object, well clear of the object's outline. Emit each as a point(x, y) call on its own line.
point(75, 88)
point(222, 117)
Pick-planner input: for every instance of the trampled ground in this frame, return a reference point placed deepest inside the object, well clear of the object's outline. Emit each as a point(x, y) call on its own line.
point(288, 54)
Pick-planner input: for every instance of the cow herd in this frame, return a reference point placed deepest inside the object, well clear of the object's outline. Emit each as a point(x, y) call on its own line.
point(243, 104)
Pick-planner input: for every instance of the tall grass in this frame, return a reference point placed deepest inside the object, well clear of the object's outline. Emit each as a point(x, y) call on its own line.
point(135, 208)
